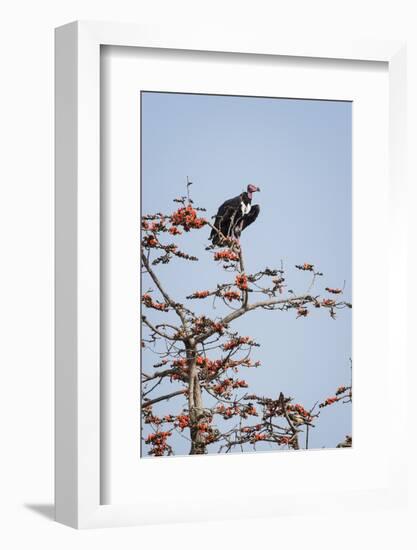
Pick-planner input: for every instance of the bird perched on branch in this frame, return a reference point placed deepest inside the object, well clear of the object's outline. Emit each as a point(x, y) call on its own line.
point(234, 216)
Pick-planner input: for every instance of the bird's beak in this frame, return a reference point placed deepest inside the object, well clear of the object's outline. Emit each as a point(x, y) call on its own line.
point(258, 188)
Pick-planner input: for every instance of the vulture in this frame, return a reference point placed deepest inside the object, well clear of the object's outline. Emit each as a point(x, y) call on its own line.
point(234, 216)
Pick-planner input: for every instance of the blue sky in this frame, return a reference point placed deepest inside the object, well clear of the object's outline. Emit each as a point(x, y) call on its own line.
point(299, 153)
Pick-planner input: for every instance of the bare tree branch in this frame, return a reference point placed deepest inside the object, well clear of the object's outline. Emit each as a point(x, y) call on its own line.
point(154, 329)
point(149, 402)
point(166, 296)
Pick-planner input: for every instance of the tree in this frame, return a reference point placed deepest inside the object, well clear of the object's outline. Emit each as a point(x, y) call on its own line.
point(199, 354)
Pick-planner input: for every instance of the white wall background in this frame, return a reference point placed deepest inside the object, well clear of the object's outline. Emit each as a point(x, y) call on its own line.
point(26, 273)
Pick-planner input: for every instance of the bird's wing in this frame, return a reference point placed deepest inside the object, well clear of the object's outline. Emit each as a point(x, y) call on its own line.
point(251, 216)
point(225, 212)
point(228, 206)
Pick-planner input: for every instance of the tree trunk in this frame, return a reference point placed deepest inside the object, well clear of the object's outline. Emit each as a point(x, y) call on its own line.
point(195, 405)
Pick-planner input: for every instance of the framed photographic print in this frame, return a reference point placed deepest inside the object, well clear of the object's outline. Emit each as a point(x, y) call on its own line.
point(300, 148)
point(227, 219)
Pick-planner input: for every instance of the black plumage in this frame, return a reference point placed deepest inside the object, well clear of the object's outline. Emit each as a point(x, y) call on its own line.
point(233, 216)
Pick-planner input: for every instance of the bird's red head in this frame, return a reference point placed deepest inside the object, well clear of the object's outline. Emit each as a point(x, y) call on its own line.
point(252, 189)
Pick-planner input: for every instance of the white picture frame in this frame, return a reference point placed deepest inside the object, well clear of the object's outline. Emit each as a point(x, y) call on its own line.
point(78, 501)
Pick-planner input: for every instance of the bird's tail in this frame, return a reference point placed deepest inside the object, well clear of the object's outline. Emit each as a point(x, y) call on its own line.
point(214, 238)
point(214, 235)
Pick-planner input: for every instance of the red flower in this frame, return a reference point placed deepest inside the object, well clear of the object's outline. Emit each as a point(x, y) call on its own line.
point(200, 294)
point(174, 231)
point(334, 290)
point(187, 218)
point(158, 440)
point(328, 303)
point(218, 327)
point(150, 241)
point(328, 401)
point(251, 410)
point(242, 281)
point(231, 344)
point(226, 256)
point(183, 421)
point(231, 295)
point(147, 300)
point(305, 267)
